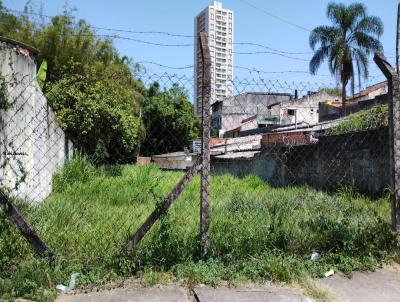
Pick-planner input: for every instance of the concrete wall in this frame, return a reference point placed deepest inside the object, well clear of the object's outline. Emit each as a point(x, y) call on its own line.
point(359, 158)
point(32, 145)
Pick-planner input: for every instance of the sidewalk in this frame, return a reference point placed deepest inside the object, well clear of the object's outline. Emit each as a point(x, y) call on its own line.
point(245, 294)
point(149, 294)
point(380, 286)
point(200, 294)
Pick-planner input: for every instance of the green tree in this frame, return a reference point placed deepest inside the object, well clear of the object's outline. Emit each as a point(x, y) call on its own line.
point(169, 119)
point(332, 91)
point(89, 85)
point(62, 41)
point(100, 117)
point(347, 43)
point(13, 27)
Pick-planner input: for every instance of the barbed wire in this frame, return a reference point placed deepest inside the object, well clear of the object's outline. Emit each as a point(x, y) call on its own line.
point(165, 66)
point(277, 72)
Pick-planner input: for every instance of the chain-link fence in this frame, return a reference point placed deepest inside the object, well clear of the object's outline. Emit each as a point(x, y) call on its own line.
point(297, 136)
point(295, 133)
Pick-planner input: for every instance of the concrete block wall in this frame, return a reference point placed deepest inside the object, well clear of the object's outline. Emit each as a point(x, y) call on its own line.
point(360, 159)
point(32, 145)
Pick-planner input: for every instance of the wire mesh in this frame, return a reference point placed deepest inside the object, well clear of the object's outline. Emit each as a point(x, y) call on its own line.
point(285, 133)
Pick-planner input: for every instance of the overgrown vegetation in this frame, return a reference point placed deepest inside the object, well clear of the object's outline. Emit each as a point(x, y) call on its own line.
point(169, 120)
point(369, 119)
point(4, 103)
point(106, 111)
point(101, 117)
point(258, 233)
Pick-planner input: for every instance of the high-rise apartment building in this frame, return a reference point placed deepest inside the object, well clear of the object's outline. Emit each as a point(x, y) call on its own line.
point(217, 23)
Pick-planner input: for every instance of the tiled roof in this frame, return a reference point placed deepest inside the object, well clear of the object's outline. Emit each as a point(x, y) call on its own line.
point(370, 89)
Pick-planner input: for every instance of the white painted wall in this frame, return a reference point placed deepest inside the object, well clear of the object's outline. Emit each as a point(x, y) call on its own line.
point(31, 140)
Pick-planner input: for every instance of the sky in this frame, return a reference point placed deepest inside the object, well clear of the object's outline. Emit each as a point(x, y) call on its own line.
point(283, 25)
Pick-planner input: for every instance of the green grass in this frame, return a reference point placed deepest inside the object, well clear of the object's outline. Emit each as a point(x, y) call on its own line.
point(258, 233)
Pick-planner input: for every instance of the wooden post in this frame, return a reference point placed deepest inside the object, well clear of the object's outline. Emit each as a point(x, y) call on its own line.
point(394, 133)
point(398, 41)
point(25, 228)
point(205, 146)
point(163, 207)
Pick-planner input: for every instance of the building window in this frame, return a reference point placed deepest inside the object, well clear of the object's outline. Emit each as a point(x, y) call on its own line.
point(291, 112)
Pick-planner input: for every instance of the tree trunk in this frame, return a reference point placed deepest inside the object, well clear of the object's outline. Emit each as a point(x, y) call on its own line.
point(343, 99)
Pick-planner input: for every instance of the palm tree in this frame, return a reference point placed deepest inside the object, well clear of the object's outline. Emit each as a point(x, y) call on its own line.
point(347, 44)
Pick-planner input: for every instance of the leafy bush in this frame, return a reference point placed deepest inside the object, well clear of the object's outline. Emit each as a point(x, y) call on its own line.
point(373, 118)
point(101, 118)
point(169, 119)
point(4, 102)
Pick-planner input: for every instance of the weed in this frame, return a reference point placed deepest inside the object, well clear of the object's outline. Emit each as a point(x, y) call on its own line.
point(258, 233)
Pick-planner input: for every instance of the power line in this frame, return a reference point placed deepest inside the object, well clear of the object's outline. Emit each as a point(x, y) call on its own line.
point(109, 29)
point(270, 52)
point(159, 33)
point(275, 16)
point(190, 44)
point(141, 41)
point(273, 49)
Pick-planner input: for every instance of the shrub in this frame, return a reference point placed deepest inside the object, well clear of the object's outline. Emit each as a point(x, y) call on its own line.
point(376, 117)
point(99, 116)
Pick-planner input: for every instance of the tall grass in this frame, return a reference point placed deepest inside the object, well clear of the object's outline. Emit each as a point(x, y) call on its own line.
point(258, 233)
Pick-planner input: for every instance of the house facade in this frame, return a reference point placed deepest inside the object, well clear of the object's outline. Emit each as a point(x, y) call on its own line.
point(303, 111)
point(251, 111)
point(371, 96)
point(238, 109)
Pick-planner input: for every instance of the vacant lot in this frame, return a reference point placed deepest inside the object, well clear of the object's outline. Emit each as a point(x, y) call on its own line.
point(258, 233)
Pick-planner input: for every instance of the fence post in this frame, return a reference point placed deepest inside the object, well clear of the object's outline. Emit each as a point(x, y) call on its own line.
point(205, 146)
point(394, 133)
point(398, 41)
point(25, 228)
point(163, 207)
